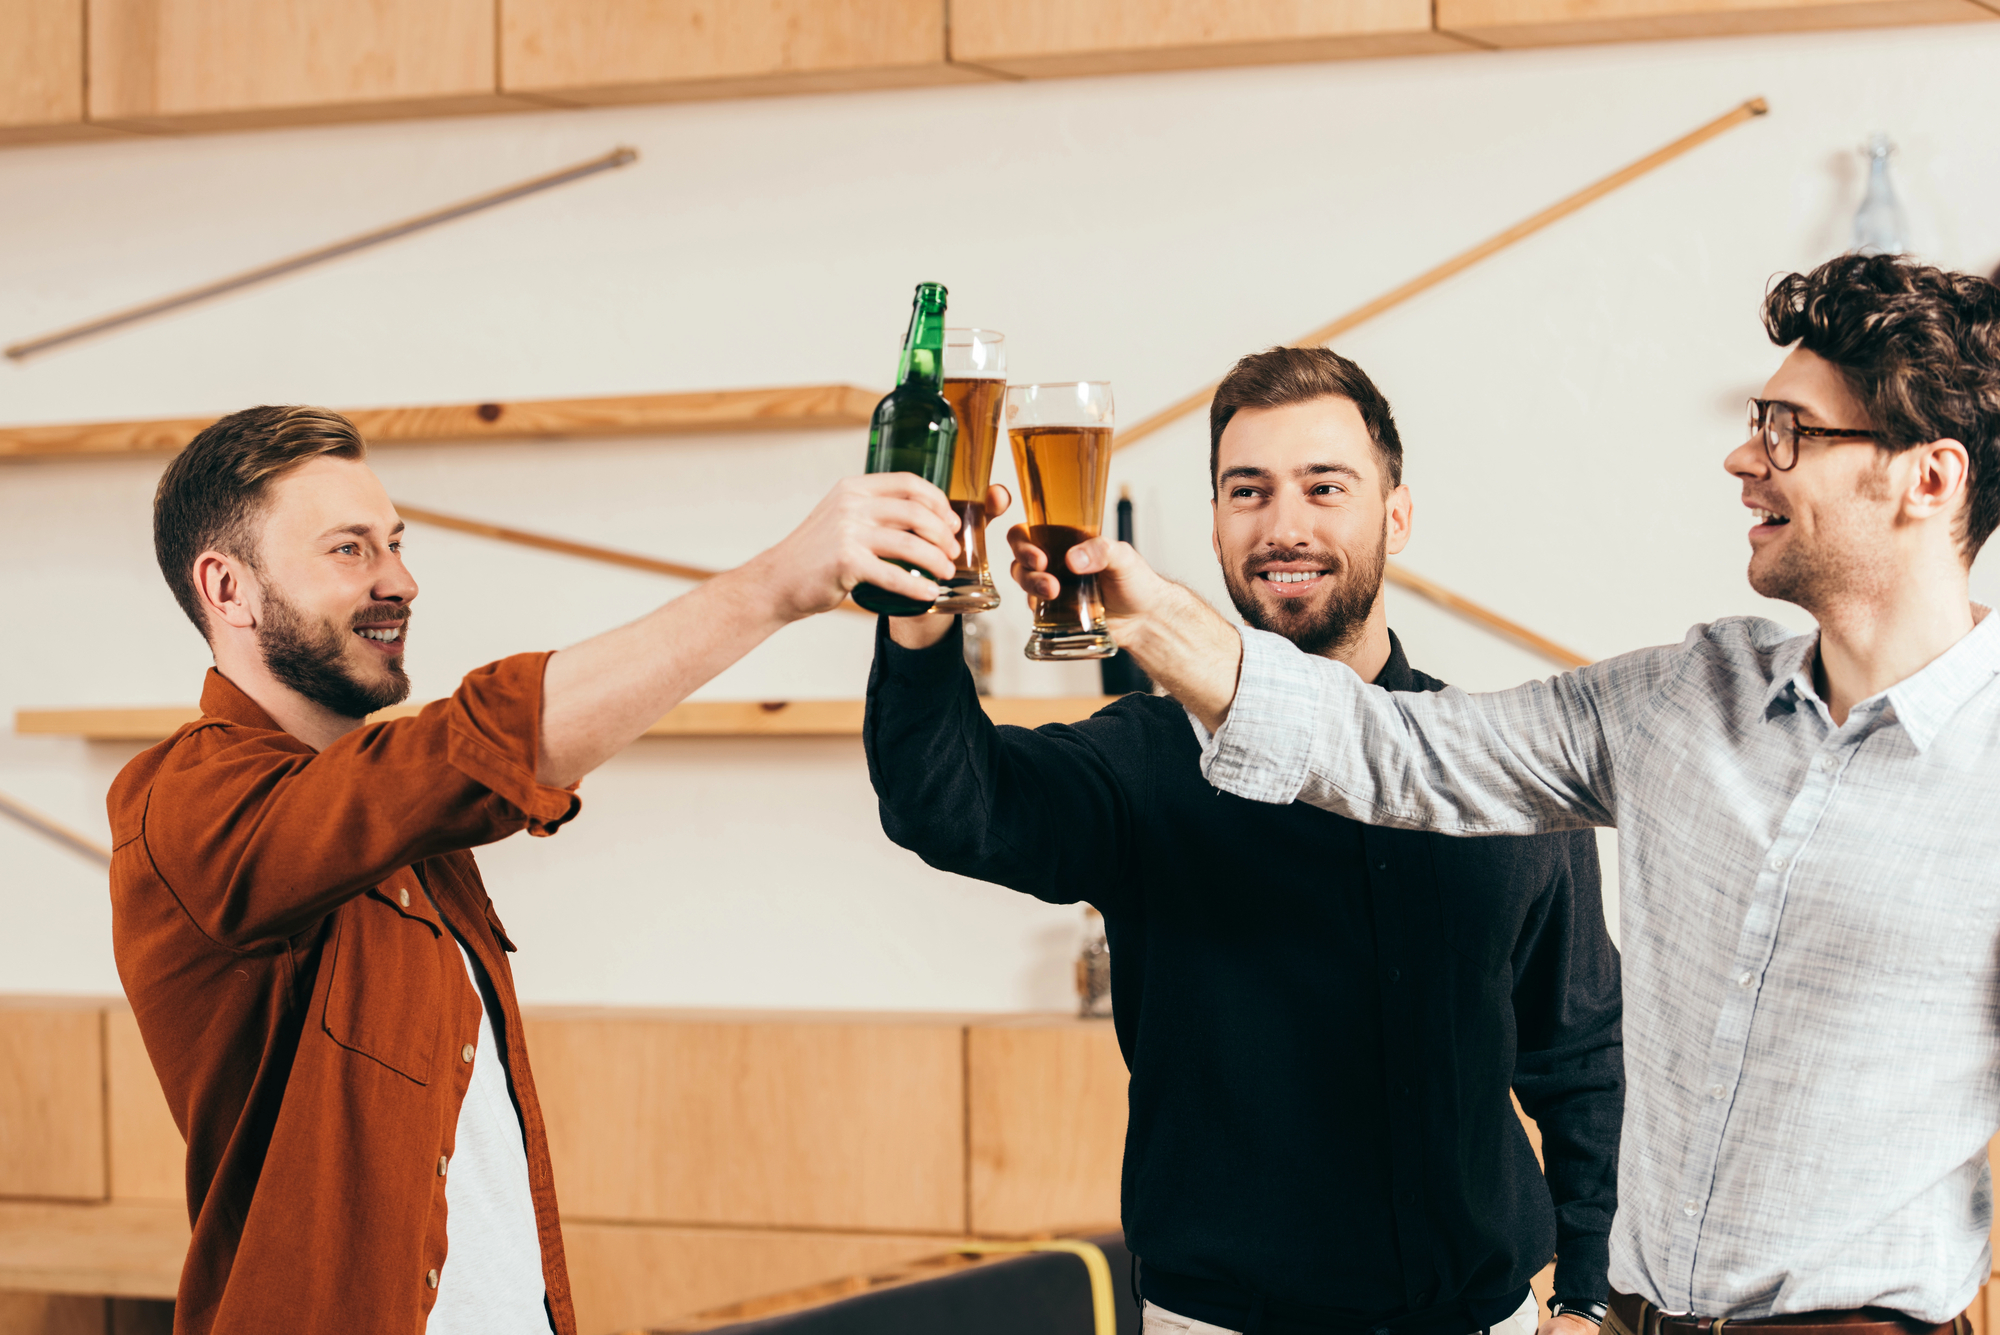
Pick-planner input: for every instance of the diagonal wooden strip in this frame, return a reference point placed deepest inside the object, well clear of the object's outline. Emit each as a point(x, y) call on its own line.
point(1457, 264)
point(521, 537)
point(54, 830)
point(617, 157)
point(1491, 620)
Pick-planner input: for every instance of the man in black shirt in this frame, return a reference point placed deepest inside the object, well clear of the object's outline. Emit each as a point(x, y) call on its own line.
point(1320, 1134)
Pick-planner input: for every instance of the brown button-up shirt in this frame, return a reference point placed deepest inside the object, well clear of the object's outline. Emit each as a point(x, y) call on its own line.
point(305, 1007)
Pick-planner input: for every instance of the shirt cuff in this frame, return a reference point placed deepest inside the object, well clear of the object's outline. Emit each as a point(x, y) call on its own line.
point(1263, 749)
point(494, 737)
point(941, 662)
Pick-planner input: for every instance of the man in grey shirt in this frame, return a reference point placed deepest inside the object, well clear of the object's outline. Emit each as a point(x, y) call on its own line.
point(1809, 858)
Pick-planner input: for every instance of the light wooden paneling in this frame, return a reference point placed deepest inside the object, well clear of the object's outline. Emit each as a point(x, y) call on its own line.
point(791, 407)
point(627, 1276)
point(129, 1249)
point(1508, 23)
point(217, 64)
point(696, 718)
point(1045, 1099)
point(148, 1156)
point(41, 70)
point(1041, 38)
point(51, 1099)
point(658, 50)
point(814, 1121)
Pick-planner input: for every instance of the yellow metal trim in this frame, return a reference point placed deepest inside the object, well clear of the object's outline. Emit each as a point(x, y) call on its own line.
point(1102, 1301)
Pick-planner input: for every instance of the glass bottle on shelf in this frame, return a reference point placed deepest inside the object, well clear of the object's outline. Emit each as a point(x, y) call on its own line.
point(913, 430)
point(1120, 675)
point(1879, 225)
point(1093, 968)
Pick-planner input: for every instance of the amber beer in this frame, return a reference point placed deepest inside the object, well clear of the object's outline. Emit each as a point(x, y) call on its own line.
point(1062, 454)
point(975, 384)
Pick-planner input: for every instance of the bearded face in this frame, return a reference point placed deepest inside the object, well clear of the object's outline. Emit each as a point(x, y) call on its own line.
point(322, 660)
point(1316, 599)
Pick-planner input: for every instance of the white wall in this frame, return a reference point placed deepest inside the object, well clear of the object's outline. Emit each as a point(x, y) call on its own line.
point(1565, 406)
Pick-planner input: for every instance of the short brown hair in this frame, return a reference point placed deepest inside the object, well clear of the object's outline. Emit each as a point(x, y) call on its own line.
point(1920, 347)
point(1277, 377)
point(212, 494)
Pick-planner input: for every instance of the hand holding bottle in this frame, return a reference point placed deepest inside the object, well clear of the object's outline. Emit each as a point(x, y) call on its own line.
point(853, 536)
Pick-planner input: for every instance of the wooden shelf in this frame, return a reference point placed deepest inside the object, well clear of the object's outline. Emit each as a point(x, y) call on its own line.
point(697, 718)
point(722, 410)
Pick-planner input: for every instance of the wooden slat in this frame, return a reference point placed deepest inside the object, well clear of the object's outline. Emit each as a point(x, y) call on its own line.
point(1045, 1099)
point(797, 407)
point(696, 718)
point(803, 1122)
point(1520, 23)
point(148, 1156)
point(633, 1276)
point(214, 64)
point(52, 1099)
point(1041, 38)
point(41, 66)
point(122, 1249)
point(616, 51)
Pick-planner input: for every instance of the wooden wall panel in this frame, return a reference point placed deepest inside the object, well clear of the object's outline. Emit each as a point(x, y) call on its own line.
point(820, 1121)
point(1036, 38)
point(148, 1156)
point(52, 1098)
point(655, 50)
point(214, 64)
point(41, 70)
point(630, 1276)
point(119, 1250)
point(1045, 1100)
point(1512, 23)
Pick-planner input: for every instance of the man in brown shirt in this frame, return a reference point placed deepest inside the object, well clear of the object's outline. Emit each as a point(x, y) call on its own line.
point(320, 977)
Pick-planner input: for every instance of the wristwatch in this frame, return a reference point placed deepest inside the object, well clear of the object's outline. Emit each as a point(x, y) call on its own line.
point(1591, 1312)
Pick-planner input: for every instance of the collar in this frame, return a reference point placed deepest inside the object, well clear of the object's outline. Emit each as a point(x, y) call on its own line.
point(1922, 702)
point(1396, 674)
point(224, 699)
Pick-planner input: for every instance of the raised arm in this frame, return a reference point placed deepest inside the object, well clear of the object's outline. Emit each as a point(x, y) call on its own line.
point(1289, 726)
point(601, 694)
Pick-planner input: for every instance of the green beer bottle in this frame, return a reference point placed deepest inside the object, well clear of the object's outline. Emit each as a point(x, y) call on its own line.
point(914, 428)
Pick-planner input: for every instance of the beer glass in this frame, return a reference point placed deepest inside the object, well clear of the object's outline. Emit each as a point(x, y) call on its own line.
point(1062, 452)
point(975, 382)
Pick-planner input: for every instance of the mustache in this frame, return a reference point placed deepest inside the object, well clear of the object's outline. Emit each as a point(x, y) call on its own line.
point(380, 612)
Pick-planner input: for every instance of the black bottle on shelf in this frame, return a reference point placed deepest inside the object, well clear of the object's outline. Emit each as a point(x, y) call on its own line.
point(1120, 675)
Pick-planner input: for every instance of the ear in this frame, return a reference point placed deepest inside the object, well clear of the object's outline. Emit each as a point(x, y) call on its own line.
point(1399, 520)
point(222, 585)
point(1936, 475)
point(1214, 535)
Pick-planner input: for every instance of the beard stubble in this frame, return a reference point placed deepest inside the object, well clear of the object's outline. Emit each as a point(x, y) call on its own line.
point(1329, 625)
point(308, 657)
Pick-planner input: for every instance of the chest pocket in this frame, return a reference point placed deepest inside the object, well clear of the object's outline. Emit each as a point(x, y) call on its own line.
point(386, 993)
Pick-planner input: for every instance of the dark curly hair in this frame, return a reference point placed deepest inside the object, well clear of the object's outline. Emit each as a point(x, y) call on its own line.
point(1920, 347)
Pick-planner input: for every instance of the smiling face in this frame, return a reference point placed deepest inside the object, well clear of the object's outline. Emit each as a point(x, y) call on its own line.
point(1304, 521)
point(332, 594)
point(1825, 529)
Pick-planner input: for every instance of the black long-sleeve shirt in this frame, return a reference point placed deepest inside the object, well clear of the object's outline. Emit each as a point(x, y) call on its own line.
point(1322, 1019)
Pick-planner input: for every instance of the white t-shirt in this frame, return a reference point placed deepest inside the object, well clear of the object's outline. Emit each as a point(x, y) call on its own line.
point(491, 1283)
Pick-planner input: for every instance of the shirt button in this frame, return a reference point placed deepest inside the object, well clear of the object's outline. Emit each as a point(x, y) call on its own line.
point(1690, 1210)
point(404, 895)
point(1714, 1092)
point(1409, 1198)
point(466, 1052)
point(1381, 866)
point(1829, 763)
point(1395, 975)
point(1777, 862)
point(431, 1278)
point(1404, 1091)
point(1745, 979)
point(443, 1162)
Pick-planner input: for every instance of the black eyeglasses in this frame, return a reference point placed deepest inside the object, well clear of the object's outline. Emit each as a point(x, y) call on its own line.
point(1777, 425)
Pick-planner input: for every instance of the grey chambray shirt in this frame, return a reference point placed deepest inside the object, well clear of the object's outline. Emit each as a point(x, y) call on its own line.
point(1810, 928)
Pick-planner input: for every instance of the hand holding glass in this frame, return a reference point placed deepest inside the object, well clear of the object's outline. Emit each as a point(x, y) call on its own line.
point(1062, 453)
